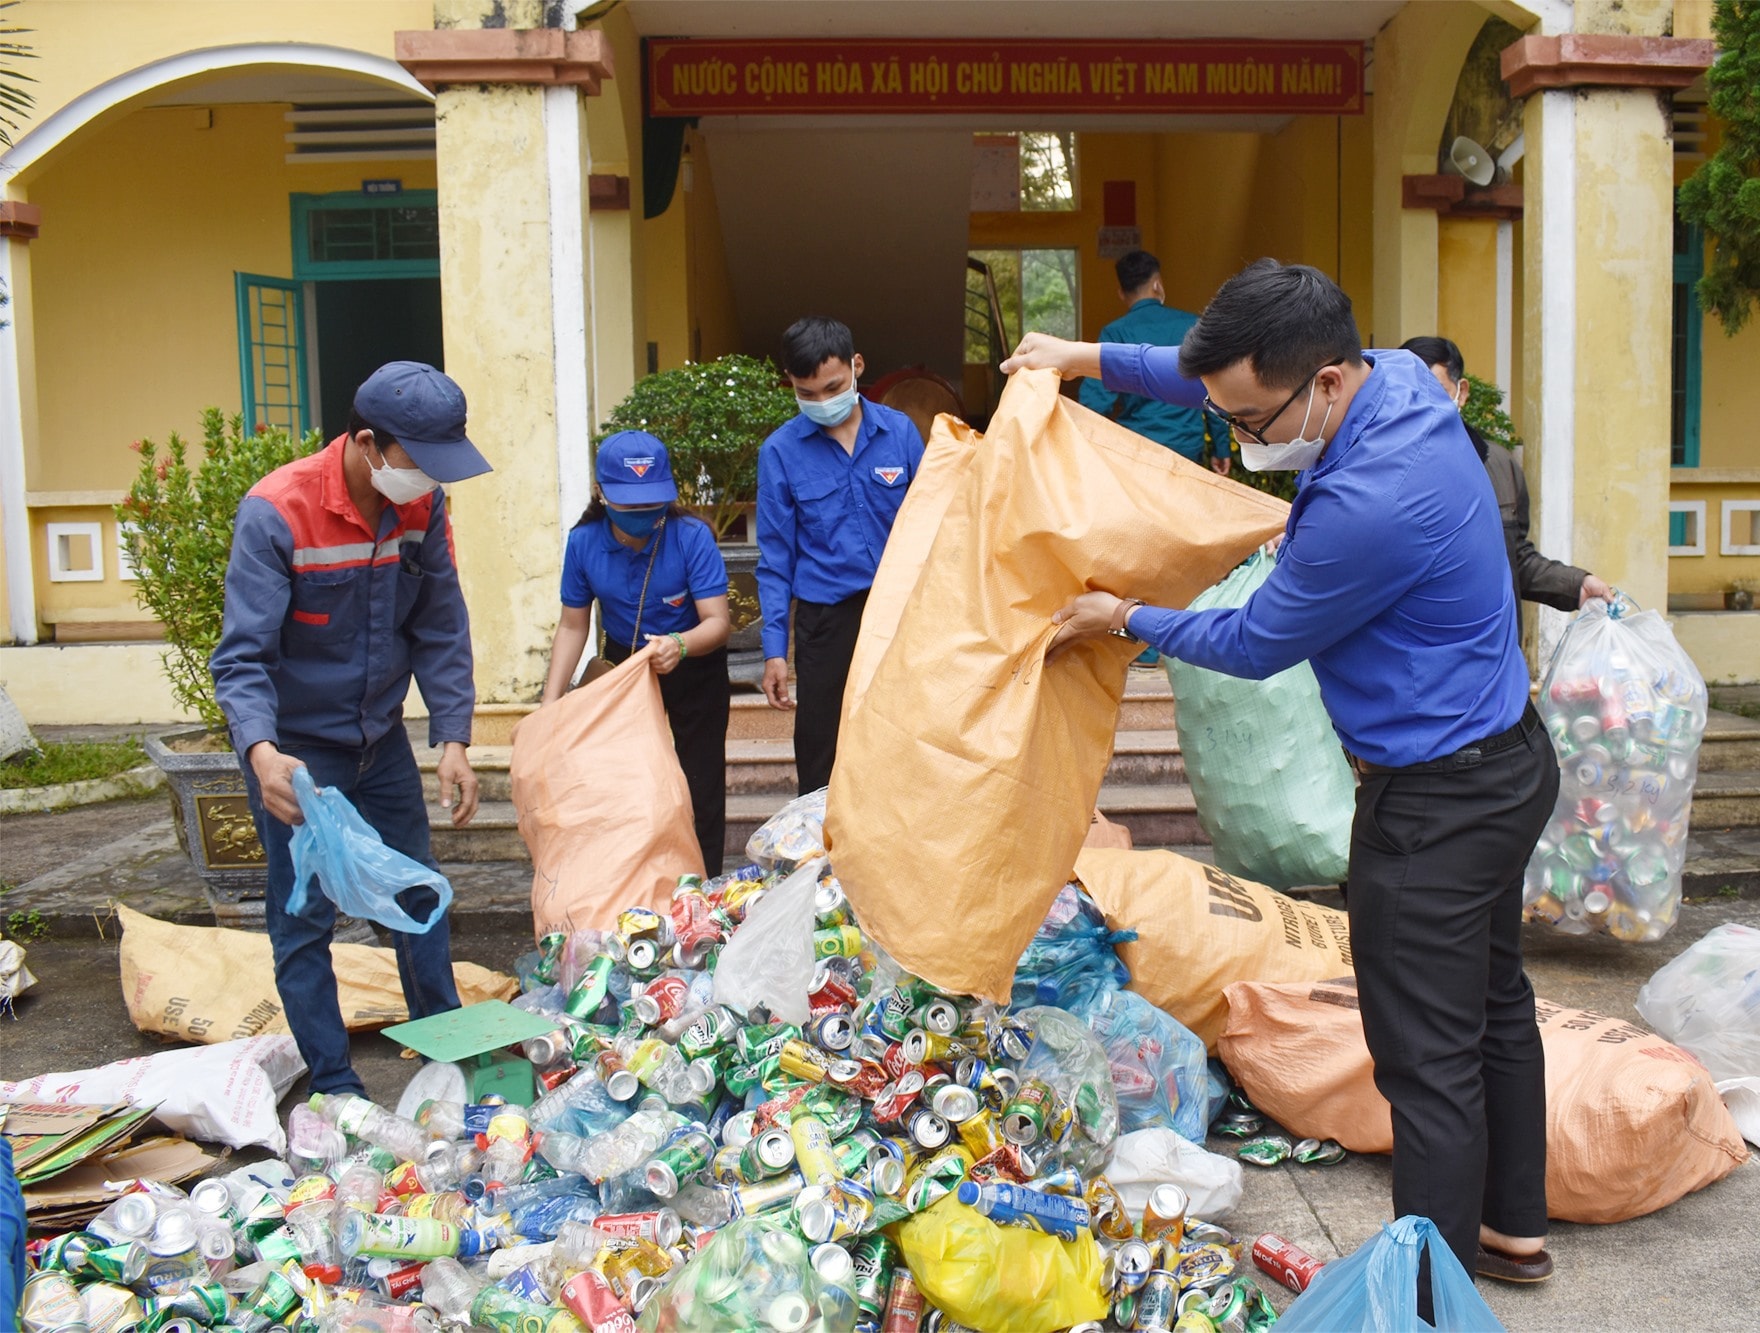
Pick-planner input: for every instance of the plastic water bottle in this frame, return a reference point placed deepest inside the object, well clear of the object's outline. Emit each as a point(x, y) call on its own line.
point(663, 1069)
point(359, 1186)
point(703, 1205)
point(581, 1105)
point(512, 1198)
point(623, 1149)
point(449, 1288)
point(312, 1140)
point(370, 1123)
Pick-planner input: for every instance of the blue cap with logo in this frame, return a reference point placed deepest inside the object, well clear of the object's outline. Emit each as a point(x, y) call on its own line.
point(633, 469)
point(423, 410)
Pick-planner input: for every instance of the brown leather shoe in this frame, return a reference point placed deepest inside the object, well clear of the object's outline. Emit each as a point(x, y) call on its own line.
point(1504, 1267)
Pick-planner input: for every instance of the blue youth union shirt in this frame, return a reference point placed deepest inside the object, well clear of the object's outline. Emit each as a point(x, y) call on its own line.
point(688, 568)
point(824, 514)
point(1178, 427)
point(1392, 579)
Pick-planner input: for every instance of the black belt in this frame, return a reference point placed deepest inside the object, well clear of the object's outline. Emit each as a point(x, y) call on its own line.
point(1468, 756)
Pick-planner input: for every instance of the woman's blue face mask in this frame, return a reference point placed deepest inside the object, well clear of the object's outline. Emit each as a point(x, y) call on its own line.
point(637, 522)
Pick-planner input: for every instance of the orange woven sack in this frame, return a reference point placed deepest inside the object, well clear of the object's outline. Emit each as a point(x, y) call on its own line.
point(1199, 928)
point(967, 769)
point(1633, 1122)
point(602, 802)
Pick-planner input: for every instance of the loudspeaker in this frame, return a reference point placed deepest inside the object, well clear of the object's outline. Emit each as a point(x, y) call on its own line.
point(1466, 158)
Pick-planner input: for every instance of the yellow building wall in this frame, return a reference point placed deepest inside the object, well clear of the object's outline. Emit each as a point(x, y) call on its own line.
point(80, 44)
point(713, 315)
point(1466, 290)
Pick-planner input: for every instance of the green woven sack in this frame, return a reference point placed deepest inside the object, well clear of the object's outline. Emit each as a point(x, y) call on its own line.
point(1272, 785)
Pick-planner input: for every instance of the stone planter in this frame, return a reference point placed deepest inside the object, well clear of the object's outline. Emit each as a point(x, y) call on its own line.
point(214, 826)
point(745, 650)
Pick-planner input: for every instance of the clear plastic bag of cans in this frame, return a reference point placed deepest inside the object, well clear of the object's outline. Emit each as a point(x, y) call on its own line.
point(1065, 1086)
point(758, 1273)
point(1625, 708)
point(792, 836)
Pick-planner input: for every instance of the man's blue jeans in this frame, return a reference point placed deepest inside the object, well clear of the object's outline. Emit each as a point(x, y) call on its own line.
point(385, 785)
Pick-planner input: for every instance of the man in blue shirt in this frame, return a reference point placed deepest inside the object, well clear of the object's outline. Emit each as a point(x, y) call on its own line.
point(829, 485)
point(341, 587)
point(1392, 582)
point(1149, 321)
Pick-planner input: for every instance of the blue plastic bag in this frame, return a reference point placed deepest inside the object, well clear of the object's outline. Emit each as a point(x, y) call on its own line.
point(353, 866)
point(1375, 1290)
point(1159, 1069)
point(12, 1235)
point(1071, 959)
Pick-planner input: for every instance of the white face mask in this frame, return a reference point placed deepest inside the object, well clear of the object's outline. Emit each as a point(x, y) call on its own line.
point(400, 485)
point(1293, 456)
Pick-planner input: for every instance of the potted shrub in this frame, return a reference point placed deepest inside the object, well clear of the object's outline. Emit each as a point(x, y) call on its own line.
point(179, 519)
point(713, 417)
point(1739, 596)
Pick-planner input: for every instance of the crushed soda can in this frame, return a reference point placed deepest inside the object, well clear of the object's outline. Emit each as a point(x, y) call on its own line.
point(1318, 1152)
point(1266, 1150)
point(1240, 1124)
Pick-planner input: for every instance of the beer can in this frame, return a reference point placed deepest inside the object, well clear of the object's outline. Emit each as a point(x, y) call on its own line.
point(1286, 1261)
point(1240, 1124)
point(1131, 1263)
point(777, 1192)
point(801, 1060)
point(768, 1154)
point(1228, 1309)
point(938, 1015)
point(834, 1031)
point(981, 1132)
point(827, 1214)
point(1025, 1116)
point(1155, 1302)
point(954, 1102)
point(1206, 1266)
point(928, 1130)
point(1319, 1152)
point(50, 1303)
point(904, 1304)
point(1266, 1150)
point(813, 1151)
point(873, 1258)
point(111, 1308)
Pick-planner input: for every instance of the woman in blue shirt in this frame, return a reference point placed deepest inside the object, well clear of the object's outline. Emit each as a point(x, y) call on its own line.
point(660, 581)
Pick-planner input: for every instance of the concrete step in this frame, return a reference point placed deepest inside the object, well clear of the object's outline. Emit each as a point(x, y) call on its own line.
point(1158, 815)
point(755, 767)
point(1726, 800)
point(1732, 744)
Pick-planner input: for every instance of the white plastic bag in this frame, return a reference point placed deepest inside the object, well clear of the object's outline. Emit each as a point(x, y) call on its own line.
point(226, 1093)
point(1152, 1157)
point(769, 960)
point(1625, 708)
point(1742, 1096)
point(1708, 1002)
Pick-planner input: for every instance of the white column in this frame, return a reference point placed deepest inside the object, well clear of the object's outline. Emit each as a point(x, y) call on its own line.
point(567, 151)
point(1506, 285)
point(1558, 344)
point(15, 522)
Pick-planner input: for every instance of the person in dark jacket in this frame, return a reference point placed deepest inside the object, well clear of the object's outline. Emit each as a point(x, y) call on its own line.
point(1537, 578)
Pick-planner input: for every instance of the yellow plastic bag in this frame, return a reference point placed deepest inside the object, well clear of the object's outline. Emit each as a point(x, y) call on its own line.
point(1000, 1279)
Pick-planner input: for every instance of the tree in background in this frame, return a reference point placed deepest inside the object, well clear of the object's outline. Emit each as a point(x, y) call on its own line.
point(1723, 195)
point(14, 100)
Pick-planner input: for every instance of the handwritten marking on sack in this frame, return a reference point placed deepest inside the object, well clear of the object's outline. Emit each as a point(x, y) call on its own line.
point(1229, 897)
point(1236, 737)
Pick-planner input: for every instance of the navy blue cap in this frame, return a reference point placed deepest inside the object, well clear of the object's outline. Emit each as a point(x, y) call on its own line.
point(423, 410)
point(633, 469)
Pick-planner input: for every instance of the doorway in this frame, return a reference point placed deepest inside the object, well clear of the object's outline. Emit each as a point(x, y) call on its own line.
point(363, 323)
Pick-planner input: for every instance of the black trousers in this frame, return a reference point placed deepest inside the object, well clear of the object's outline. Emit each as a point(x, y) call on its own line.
point(695, 694)
point(824, 643)
point(1435, 909)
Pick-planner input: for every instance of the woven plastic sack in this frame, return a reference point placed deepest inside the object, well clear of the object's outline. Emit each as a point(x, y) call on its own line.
point(1707, 1001)
point(754, 1273)
point(999, 1277)
point(1273, 789)
point(1375, 1290)
point(353, 866)
point(602, 802)
point(1625, 708)
point(967, 769)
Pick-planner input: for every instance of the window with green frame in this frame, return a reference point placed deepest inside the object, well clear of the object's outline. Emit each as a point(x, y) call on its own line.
point(1689, 264)
point(355, 235)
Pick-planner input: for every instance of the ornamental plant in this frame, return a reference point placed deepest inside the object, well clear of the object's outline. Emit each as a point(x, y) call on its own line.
point(1723, 195)
point(1484, 412)
point(713, 417)
point(179, 520)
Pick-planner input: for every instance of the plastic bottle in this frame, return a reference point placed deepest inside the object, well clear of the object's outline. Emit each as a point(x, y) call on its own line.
point(449, 1287)
point(359, 1186)
point(370, 1123)
point(611, 1154)
point(663, 1069)
point(312, 1141)
point(703, 1205)
point(512, 1198)
point(580, 1106)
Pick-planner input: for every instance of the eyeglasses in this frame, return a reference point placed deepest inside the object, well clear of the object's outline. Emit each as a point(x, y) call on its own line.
point(1239, 424)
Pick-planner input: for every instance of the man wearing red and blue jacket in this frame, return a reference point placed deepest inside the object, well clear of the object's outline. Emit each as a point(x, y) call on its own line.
point(340, 588)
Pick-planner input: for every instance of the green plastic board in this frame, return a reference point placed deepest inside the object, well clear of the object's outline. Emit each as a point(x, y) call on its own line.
point(473, 1030)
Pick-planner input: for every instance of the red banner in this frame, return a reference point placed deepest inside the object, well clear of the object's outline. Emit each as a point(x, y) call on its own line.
point(873, 76)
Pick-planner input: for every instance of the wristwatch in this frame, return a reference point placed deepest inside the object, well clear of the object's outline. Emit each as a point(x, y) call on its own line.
point(1118, 630)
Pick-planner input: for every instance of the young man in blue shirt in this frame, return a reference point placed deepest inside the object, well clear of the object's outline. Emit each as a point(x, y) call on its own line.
point(340, 589)
point(1150, 321)
point(1392, 582)
point(829, 486)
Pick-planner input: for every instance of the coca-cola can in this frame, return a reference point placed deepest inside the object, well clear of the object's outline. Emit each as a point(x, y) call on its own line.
point(1286, 1261)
